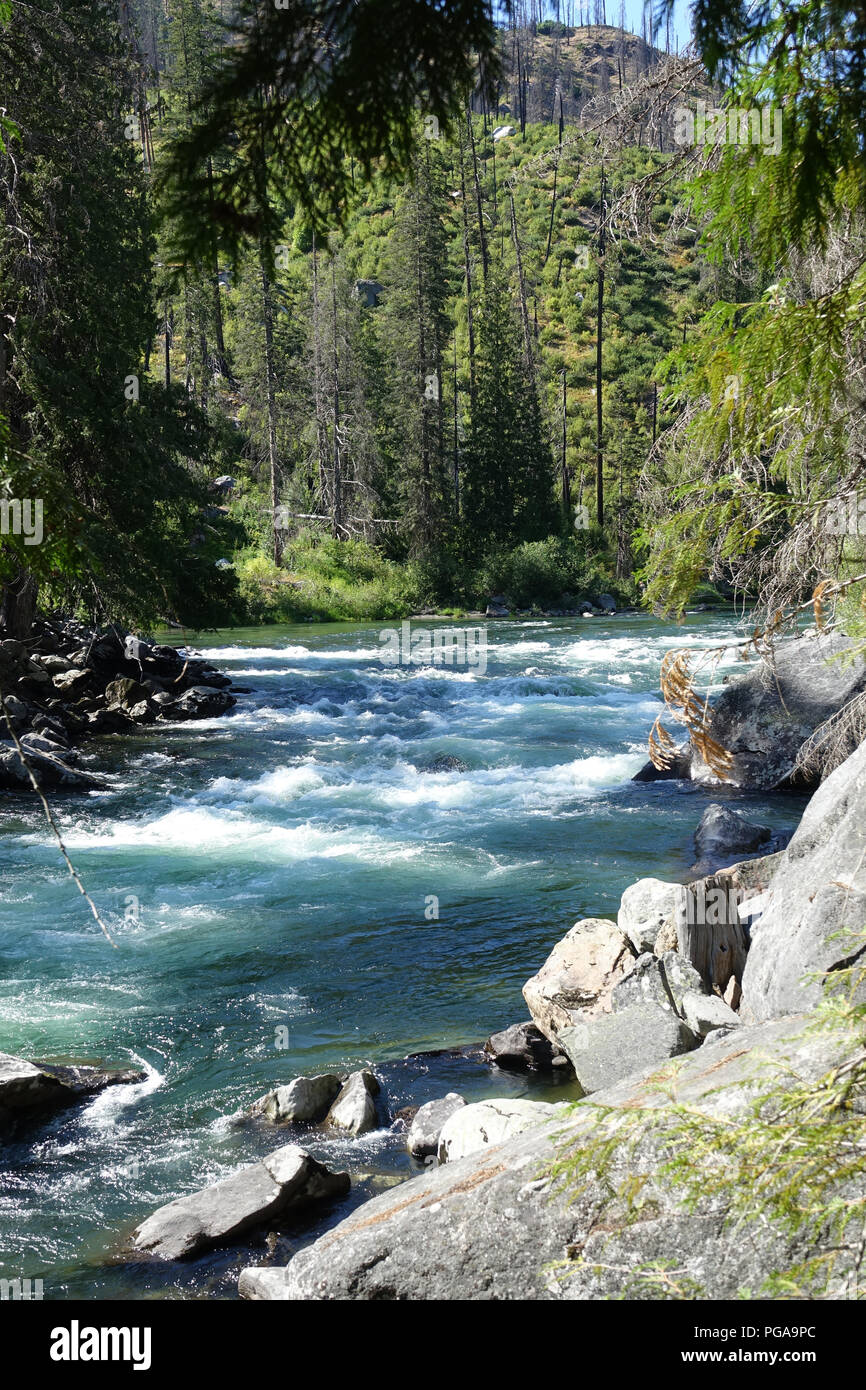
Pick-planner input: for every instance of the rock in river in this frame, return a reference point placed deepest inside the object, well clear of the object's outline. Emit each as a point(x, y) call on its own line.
point(287, 1179)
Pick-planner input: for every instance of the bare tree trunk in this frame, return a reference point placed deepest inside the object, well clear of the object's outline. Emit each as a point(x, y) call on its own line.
point(555, 179)
point(566, 481)
point(222, 364)
point(524, 311)
point(481, 233)
point(271, 392)
point(338, 476)
point(18, 606)
point(599, 453)
point(467, 266)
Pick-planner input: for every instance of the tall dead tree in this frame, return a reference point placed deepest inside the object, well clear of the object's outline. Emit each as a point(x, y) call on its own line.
point(599, 442)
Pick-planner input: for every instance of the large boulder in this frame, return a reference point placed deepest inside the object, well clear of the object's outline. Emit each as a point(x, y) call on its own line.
point(287, 1178)
point(766, 716)
point(499, 1225)
point(578, 976)
point(487, 1122)
point(354, 1110)
point(724, 835)
point(605, 1050)
point(428, 1122)
point(306, 1100)
point(48, 768)
point(815, 905)
point(645, 983)
point(645, 908)
point(199, 702)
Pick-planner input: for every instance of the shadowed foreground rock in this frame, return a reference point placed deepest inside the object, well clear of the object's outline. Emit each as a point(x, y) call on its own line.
point(496, 1226)
point(287, 1178)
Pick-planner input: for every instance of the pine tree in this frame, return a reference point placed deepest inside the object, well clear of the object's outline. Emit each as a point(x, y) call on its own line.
point(508, 476)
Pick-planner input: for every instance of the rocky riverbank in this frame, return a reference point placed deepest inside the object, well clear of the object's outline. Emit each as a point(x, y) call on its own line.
point(654, 1031)
point(69, 683)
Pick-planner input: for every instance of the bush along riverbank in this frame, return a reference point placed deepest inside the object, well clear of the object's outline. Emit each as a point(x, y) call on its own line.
point(68, 683)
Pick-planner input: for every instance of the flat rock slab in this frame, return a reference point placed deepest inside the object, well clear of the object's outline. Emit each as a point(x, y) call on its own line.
point(497, 1226)
point(29, 1088)
point(23, 1085)
point(606, 1050)
point(288, 1178)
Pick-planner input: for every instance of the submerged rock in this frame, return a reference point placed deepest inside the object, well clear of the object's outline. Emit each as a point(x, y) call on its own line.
point(285, 1180)
point(523, 1047)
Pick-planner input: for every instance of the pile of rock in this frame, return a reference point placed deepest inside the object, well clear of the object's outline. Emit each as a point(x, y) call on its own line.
point(336, 1100)
point(69, 683)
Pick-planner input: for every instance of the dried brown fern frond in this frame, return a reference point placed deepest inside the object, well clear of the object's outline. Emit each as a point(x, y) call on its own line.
point(662, 748)
point(685, 707)
point(822, 590)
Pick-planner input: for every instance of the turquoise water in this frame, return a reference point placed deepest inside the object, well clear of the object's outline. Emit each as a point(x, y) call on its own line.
point(272, 880)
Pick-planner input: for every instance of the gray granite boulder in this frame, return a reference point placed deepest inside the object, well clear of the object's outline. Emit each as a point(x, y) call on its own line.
point(605, 1050)
point(523, 1047)
point(354, 1110)
point(489, 1122)
point(306, 1100)
point(427, 1123)
point(814, 909)
point(287, 1178)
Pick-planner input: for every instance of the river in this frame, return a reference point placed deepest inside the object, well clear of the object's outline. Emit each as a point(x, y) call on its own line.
point(289, 892)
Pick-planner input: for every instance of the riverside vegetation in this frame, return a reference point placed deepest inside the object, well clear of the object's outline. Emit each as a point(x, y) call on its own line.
point(297, 327)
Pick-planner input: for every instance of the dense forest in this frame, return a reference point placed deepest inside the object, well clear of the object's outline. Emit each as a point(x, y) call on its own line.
point(273, 348)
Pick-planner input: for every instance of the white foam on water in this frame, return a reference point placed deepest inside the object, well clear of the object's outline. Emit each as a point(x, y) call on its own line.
point(283, 784)
point(231, 835)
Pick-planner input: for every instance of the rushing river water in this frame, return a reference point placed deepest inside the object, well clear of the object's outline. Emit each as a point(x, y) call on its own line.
point(273, 879)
